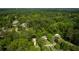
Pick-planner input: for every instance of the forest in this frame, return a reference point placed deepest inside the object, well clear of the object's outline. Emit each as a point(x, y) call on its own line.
point(39, 29)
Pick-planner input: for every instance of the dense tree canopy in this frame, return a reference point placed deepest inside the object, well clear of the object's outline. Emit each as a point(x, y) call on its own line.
point(19, 26)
